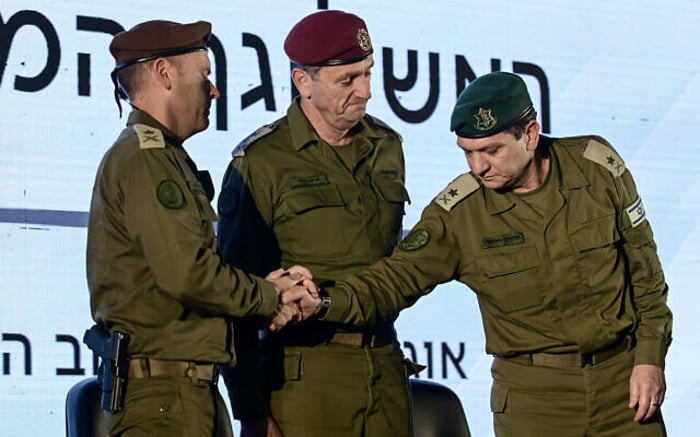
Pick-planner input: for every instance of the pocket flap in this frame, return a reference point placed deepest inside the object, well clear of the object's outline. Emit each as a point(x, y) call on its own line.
point(305, 199)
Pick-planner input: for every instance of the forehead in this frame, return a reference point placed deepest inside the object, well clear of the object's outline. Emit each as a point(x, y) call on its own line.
point(476, 144)
point(197, 60)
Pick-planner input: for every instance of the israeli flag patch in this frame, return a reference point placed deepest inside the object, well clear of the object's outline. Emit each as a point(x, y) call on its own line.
point(636, 213)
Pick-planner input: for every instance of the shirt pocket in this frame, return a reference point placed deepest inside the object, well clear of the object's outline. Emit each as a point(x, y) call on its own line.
point(510, 277)
point(392, 208)
point(391, 190)
point(594, 234)
point(597, 250)
point(311, 223)
point(302, 200)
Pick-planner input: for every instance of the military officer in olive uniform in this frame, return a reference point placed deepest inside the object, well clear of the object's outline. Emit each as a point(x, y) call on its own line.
point(153, 268)
point(322, 187)
point(552, 236)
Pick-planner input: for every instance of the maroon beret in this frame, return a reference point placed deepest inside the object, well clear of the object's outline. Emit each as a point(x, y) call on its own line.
point(158, 38)
point(328, 38)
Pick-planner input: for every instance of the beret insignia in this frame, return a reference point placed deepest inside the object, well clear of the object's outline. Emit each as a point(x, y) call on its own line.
point(484, 119)
point(363, 39)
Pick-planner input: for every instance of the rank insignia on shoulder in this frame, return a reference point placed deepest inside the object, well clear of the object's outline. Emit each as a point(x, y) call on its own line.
point(149, 137)
point(250, 139)
point(636, 212)
point(457, 190)
point(415, 239)
point(606, 156)
point(170, 194)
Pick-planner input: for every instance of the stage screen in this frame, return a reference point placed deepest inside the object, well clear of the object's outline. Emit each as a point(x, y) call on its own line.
point(626, 70)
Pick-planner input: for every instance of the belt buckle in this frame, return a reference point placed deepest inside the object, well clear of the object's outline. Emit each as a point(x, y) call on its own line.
point(587, 359)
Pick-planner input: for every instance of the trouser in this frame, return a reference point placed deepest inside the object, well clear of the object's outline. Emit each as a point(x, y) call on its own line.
point(590, 401)
point(343, 391)
point(166, 406)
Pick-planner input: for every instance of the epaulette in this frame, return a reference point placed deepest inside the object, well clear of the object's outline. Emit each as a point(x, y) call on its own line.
point(149, 136)
point(261, 132)
point(377, 122)
point(458, 189)
point(605, 155)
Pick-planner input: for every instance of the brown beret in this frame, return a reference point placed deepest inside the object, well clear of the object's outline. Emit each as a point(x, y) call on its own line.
point(328, 38)
point(158, 38)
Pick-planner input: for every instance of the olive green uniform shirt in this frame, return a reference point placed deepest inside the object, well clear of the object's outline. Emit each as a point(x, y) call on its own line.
point(576, 279)
point(288, 198)
point(153, 268)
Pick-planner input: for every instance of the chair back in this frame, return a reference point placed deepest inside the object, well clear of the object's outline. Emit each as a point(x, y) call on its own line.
point(85, 417)
point(437, 410)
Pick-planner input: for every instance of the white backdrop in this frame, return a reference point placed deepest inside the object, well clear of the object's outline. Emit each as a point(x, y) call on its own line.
point(627, 70)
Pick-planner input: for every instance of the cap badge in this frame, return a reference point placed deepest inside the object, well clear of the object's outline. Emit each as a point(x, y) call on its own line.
point(363, 39)
point(485, 120)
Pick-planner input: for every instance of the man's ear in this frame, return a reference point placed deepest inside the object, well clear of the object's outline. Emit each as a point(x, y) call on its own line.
point(163, 71)
point(302, 80)
point(532, 135)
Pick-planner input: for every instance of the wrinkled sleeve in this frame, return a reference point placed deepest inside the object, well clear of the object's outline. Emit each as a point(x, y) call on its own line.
point(246, 241)
point(429, 255)
point(179, 244)
point(648, 285)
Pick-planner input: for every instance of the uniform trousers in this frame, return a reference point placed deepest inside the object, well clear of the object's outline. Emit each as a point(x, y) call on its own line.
point(165, 406)
point(590, 401)
point(343, 391)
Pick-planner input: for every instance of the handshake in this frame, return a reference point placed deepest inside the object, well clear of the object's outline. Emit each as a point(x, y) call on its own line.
point(298, 295)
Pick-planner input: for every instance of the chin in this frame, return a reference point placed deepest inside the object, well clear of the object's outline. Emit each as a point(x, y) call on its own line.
point(493, 184)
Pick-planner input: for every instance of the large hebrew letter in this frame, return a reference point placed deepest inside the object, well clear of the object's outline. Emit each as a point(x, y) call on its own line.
point(393, 84)
point(76, 369)
point(447, 353)
point(91, 24)
point(538, 73)
point(7, 33)
point(263, 91)
point(27, 353)
point(220, 67)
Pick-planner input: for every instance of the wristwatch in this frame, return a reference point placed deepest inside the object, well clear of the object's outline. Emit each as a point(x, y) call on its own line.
point(325, 302)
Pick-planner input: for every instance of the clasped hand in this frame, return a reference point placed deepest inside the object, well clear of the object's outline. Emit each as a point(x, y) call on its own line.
point(298, 296)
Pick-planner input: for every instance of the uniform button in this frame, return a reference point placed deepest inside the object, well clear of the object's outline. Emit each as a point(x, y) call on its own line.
point(164, 408)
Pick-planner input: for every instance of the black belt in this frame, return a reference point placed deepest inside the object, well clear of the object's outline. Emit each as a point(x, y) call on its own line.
point(571, 359)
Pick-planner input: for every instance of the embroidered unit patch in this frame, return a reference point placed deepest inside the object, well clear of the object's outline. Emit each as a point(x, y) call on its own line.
point(415, 239)
point(170, 194)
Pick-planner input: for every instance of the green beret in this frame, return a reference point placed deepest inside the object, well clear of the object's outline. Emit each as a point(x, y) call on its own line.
point(491, 103)
point(328, 37)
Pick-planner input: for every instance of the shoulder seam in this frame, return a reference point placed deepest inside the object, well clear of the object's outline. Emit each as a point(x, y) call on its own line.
point(259, 133)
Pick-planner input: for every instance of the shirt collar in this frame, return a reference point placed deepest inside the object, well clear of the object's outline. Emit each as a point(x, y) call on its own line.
point(142, 117)
point(569, 173)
